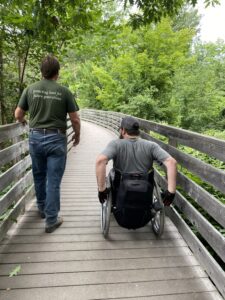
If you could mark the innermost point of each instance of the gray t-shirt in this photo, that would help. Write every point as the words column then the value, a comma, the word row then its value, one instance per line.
column 134, row 155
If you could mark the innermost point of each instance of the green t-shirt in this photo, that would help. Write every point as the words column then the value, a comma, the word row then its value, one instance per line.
column 48, row 104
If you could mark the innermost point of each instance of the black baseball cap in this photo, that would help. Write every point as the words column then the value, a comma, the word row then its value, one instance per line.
column 131, row 124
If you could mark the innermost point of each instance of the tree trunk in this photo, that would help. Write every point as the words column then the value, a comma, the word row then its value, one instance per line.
column 22, row 72
column 2, row 103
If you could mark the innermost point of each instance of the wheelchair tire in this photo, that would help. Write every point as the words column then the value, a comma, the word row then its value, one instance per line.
column 159, row 218
column 105, row 215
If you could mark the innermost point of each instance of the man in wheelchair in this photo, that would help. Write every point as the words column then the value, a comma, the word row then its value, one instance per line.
column 132, row 178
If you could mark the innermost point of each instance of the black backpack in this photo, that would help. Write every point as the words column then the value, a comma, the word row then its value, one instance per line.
column 134, row 200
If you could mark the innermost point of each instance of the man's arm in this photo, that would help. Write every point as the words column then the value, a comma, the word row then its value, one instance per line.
column 19, row 115
column 75, row 120
column 101, row 163
column 171, row 166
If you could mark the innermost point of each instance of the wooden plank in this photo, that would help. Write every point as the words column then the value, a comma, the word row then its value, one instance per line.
column 69, row 131
column 81, row 230
column 104, row 277
column 12, row 152
column 14, row 172
column 186, row 296
column 72, row 213
column 172, row 142
column 215, row 239
column 100, row 124
column 100, row 245
column 205, row 171
column 53, row 238
column 212, row 268
column 132, row 289
column 99, row 265
column 66, row 209
column 15, row 212
column 13, row 195
column 207, row 201
column 206, row 144
column 35, row 223
column 10, row 131
column 16, row 140
column 90, row 255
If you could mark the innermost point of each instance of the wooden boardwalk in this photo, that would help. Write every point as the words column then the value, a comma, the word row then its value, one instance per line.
column 75, row 262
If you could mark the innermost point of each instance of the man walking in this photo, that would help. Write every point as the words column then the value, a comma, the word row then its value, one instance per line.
column 48, row 104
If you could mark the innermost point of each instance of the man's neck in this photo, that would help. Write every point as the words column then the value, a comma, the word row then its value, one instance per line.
column 53, row 78
column 130, row 137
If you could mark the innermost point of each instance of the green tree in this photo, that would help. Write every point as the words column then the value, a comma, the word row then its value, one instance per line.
column 140, row 68
column 199, row 89
column 156, row 10
column 30, row 29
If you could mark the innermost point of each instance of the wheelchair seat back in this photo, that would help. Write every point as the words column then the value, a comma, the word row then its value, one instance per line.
column 134, row 200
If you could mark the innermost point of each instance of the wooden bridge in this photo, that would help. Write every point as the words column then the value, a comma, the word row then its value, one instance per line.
column 76, row 262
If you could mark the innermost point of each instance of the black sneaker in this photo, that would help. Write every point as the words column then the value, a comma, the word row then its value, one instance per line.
column 51, row 228
column 41, row 214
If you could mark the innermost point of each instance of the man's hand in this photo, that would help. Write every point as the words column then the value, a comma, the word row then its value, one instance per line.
column 76, row 139
column 167, row 197
column 103, row 195
column 19, row 115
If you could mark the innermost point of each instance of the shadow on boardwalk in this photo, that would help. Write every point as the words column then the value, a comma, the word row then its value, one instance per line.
column 75, row 262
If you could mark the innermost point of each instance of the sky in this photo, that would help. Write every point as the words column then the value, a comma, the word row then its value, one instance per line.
column 212, row 22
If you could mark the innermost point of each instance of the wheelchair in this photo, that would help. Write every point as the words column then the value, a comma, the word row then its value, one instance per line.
column 155, row 210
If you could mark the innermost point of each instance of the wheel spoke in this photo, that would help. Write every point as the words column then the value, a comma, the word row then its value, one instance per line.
column 158, row 220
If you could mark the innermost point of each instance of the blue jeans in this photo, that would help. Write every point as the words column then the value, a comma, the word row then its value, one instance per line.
column 48, row 153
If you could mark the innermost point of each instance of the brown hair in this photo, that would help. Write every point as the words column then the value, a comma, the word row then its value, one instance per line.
column 49, row 67
column 132, row 132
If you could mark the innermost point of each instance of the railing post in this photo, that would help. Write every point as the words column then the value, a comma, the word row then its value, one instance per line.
column 173, row 142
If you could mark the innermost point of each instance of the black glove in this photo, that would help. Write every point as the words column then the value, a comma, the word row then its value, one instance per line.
column 167, row 197
column 102, row 196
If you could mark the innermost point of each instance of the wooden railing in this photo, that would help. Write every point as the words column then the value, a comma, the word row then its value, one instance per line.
column 16, row 180
column 194, row 206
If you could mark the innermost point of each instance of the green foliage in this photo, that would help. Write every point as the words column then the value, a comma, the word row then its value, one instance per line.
column 209, row 160
column 15, row 271
column 149, row 72
column 136, row 75
column 142, row 105
column 186, row 18
column 153, row 72
column 216, row 133
column 155, row 10
column 198, row 85
column 29, row 30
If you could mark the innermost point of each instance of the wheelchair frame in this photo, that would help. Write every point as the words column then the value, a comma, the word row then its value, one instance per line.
column 157, row 221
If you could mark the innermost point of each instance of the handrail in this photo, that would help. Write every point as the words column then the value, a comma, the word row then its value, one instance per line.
column 16, row 182
column 193, row 202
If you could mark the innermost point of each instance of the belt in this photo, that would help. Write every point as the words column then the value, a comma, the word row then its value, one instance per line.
column 48, row 130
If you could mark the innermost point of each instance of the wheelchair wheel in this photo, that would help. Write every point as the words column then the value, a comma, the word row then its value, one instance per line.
column 105, row 215
column 159, row 215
